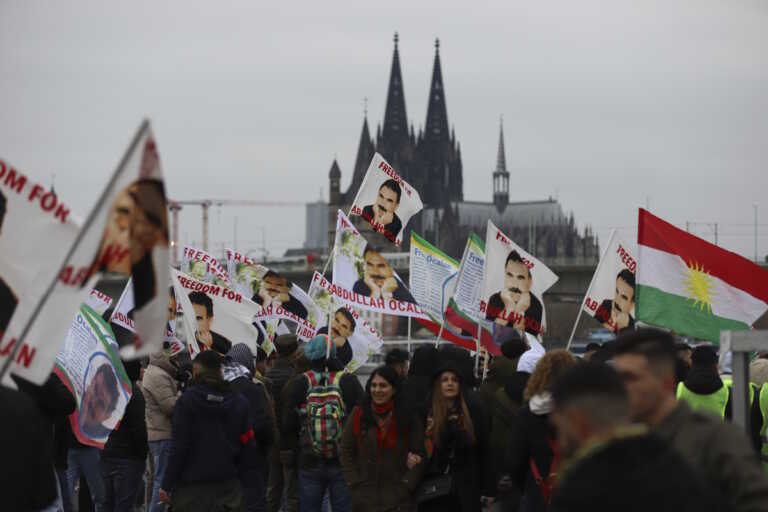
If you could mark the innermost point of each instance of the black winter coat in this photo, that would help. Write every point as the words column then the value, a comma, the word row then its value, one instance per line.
column 280, row 373
column 529, row 439
column 471, row 468
column 129, row 440
column 260, row 419
column 210, row 428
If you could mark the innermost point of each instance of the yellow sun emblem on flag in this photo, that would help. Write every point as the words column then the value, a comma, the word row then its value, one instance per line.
column 700, row 286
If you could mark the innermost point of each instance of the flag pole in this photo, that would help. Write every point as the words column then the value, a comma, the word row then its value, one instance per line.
column 409, row 335
column 592, row 282
column 79, row 238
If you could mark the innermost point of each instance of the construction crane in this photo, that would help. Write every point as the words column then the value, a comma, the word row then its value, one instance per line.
column 176, row 206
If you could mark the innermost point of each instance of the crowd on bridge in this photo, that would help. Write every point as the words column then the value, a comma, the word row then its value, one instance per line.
column 639, row 423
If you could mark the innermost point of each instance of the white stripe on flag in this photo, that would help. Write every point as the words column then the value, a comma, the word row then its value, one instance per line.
column 668, row 272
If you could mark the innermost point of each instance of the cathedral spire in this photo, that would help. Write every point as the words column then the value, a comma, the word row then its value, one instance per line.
column 365, row 151
column 437, row 113
column 500, row 175
column 395, row 130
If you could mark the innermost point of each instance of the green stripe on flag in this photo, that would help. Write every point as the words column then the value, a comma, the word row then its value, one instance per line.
column 681, row 315
column 431, row 249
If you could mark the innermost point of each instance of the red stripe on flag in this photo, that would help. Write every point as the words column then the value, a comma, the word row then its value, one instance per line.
column 731, row 268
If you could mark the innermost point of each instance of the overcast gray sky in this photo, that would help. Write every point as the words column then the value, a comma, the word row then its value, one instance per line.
column 606, row 103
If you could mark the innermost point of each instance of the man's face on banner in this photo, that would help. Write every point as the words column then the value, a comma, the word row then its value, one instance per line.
column 624, row 300
column 517, row 278
column 171, row 308
column 386, row 203
column 276, row 286
column 341, row 328
column 197, row 270
column 117, row 234
column 149, row 220
column 97, row 401
column 376, row 268
column 203, row 321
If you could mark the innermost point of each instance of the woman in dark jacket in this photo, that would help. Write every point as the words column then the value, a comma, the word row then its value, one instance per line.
column 532, row 438
column 381, row 447
column 456, row 439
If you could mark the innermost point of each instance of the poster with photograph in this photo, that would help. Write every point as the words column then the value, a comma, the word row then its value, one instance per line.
column 385, row 200
column 218, row 316
column 203, row 267
column 611, row 296
column 364, row 279
column 514, row 284
column 89, row 365
column 355, row 338
column 279, row 298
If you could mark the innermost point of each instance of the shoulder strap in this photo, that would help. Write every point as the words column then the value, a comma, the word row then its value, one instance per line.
column 312, row 378
column 335, row 378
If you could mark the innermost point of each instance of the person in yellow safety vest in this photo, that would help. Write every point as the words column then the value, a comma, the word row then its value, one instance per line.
column 702, row 388
column 763, row 406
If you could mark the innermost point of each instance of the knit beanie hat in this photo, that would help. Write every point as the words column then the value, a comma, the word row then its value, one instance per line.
column 318, row 348
column 241, row 354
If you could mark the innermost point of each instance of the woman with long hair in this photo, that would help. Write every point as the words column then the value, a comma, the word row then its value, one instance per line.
column 381, row 447
column 532, row 460
column 456, row 440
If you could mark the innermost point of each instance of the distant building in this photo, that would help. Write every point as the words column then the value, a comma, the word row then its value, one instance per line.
column 431, row 162
column 316, row 230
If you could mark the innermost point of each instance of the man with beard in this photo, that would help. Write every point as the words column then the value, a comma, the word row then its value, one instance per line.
column 382, row 214
column 8, row 299
column 99, row 402
column 275, row 290
column 515, row 305
column 203, row 306
column 342, row 327
column 615, row 314
column 379, row 280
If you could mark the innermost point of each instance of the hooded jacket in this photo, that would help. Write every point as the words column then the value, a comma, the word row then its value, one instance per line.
column 160, row 395
column 211, row 427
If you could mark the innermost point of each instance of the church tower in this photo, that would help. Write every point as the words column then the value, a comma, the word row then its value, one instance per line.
column 500, row 175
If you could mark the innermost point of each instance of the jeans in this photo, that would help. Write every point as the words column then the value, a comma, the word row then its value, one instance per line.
column 160, row 451
column 315, row 481
column 121, row 480
column 66, row 496
column 85, row 459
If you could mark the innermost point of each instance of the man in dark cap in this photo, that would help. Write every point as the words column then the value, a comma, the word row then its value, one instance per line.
column 282, row 480
column 702, row 388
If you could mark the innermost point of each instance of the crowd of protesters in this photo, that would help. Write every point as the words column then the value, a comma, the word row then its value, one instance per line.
column 640, row 423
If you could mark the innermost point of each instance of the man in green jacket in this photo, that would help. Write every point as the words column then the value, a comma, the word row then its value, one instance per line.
column 721, row 452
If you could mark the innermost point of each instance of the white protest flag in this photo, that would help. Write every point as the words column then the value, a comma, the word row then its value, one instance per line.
column 203, row 267
column 36, row 231
column 126, row 233
column 514, row 284
column 218, row 316
column 385, row 201
column 98, row 301
column 610, row 299
column 432, row 277
column 90, row 367
column 279, row 298
column 355, row 338
column 363, row 278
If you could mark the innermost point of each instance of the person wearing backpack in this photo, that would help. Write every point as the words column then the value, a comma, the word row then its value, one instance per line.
column 382, row 447
column 314, row 413
column 457, row 473
column 532, row 458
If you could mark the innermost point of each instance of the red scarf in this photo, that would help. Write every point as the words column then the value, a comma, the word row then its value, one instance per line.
column 386, row 431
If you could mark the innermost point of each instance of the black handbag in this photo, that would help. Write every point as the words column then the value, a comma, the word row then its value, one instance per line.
column 434, row 487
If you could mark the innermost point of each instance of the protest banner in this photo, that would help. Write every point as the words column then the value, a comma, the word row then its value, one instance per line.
column 279, row 298
column 36, row 230
column 432, row 277
column 513, row 284
column 355, row 338
column 385, row 200
column 89, row 365
column 218, row 316
column 610, row 298
column 363, row 278
column 126, row 233
column 203, row 267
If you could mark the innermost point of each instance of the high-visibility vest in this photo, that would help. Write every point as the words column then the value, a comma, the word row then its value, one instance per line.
column 764, row 412
column 713, row 403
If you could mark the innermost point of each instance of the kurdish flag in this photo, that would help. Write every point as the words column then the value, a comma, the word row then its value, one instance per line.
column 693, row 287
